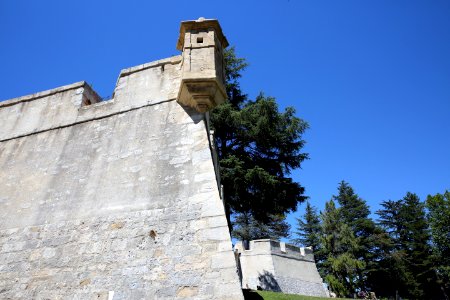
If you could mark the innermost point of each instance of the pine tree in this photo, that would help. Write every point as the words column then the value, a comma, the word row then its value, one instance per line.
column 308, row 229
column 355, row 213
column 439, row 219
column 340, row 268
column 391, row 220
column 389, row 277
column 354, row 210
column 398, row 271
column 308, row 232
column 417, row 245
column 258, row 146
column 247, row 228
column 410, row 256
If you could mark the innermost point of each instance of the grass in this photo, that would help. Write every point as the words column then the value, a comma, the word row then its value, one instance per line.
column 265, row 295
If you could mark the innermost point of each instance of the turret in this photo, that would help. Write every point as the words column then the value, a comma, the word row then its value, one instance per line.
column 203, row 71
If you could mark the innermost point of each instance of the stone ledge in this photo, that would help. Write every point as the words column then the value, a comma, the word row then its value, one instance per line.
column 170, row 60
column 42, row 94
column 124, row 72
column 90, row 119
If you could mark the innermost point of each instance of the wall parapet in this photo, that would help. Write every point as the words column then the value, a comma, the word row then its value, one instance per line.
column 273, row 247
column 136, row 87
column 276, row 266
column 42, row 94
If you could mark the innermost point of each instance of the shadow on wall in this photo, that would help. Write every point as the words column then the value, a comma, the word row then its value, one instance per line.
column 268, row 282
column 251, row 295
column 196, row 117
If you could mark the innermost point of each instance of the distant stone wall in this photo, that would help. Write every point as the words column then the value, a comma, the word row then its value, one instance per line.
column 112, row 200
column 291, row 285
column 276, row 266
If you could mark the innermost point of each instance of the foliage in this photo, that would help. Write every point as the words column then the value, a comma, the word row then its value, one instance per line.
column 439, row 219
column 247, row 228
column 354, row 210
column 308, row 229
column 406, row 253
column 395, row 256
column 417, row 243
column 410, row 259
column 258, row 147
column 391, row 221
column 341, row 267
column 369, row 238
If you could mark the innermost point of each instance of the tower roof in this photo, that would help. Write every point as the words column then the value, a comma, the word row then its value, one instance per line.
column 200, row 24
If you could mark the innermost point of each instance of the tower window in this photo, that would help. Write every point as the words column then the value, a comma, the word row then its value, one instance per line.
column 199, row 40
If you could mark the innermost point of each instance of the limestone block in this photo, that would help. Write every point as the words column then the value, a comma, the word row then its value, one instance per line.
column 223, row 260
column 187, row 291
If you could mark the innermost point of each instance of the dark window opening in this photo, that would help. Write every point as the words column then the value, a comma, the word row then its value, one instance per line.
column 246, row 245
column 199, row 40
column 86, row 101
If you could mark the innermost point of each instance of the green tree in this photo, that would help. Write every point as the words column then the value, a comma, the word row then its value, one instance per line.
column 394, row 275
column 308, row 231
column 390, row 219
column 247, row 228
column 369, row 237
column 355, row 211
column 417, row 246
column 406, row 222
column 439, row 219
column 340, row 268
column 258, row 147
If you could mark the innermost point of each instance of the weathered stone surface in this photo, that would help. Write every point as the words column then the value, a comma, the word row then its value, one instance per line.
column 203, row 74
column 280, row 267
column 112, row 199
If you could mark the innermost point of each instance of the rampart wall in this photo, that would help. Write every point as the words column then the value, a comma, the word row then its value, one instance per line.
column 112, row 199
column 277, row 266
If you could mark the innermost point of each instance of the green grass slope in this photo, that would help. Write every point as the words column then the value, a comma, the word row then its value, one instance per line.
column 265, row 295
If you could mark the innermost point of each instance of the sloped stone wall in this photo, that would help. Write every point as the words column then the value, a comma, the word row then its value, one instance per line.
column 121, row 201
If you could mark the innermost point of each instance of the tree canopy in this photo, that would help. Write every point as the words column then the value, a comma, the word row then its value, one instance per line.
column 404, row 253
column 258, row 146
column 308, row 229
column 439, row 219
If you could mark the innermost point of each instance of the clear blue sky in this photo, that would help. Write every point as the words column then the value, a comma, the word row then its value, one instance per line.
column 372, row 78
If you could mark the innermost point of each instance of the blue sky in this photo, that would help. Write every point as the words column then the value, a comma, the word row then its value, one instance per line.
column 372, row 78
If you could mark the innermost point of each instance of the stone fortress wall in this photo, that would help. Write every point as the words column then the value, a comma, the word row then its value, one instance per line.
column 277, row 266
column 118, row 199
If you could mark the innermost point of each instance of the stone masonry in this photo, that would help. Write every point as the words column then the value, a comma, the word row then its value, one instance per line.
column 276, row 266
column 119, row 199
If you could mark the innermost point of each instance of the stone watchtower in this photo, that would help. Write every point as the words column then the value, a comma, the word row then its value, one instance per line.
column 203, row 73
column 119, row 199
